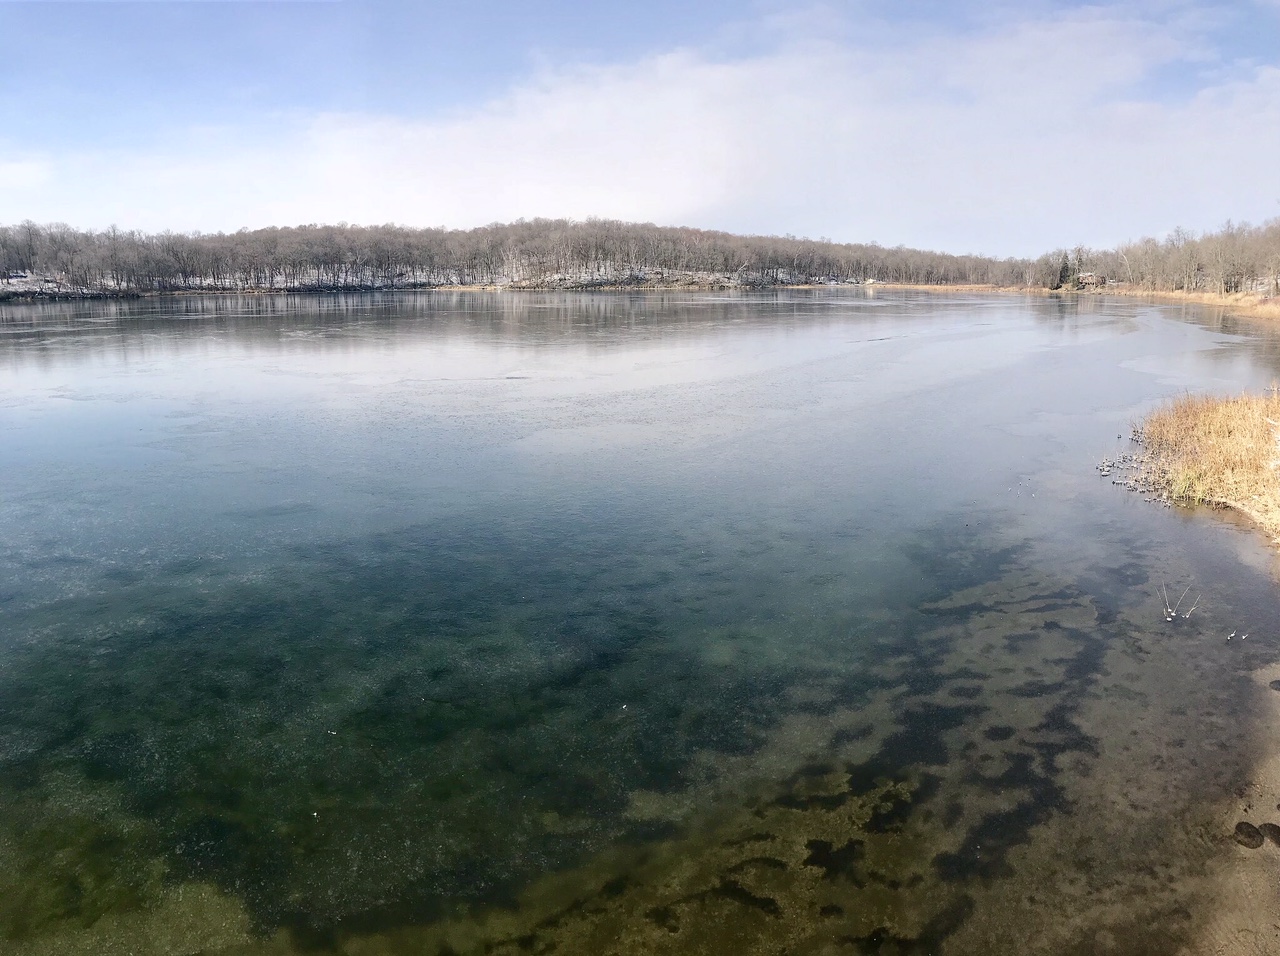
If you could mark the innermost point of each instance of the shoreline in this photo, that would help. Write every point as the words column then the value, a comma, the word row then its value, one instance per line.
column 47, row 290
column 1250, row 304
column 1216, row 451
column 1253, row 304
column 26, row 298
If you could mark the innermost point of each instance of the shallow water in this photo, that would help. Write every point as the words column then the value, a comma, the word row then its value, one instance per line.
column 666, row 623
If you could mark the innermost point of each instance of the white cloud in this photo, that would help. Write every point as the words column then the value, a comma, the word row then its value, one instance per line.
column 1006, row 142
column 23, row 174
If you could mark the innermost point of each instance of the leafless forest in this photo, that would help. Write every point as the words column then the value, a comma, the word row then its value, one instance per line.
column 543, row 253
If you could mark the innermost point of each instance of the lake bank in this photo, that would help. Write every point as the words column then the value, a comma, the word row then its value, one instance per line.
column 690, row 283
column 52, row 287
column 1252, row 304
column 44, row 288
column 1201, row 449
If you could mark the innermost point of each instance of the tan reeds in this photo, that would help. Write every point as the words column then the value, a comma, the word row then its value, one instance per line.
column 1254, row 304
column 1220, row 451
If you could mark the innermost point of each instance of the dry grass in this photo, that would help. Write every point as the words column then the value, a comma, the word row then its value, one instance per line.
column 1219, row 451
column 1252, row 304
column 1240, row 303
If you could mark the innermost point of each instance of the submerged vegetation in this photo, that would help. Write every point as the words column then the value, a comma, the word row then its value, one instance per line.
column 46, row 260
column 1202, row 449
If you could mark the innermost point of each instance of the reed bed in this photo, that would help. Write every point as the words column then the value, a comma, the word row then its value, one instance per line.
column 1201, row 449
column 1253, row 304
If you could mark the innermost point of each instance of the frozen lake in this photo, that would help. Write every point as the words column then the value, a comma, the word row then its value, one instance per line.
column 485, row 623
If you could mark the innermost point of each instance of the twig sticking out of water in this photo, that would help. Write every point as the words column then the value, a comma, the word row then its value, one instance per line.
column 1179, row 604
column 1193, row 607
column 1171, row 611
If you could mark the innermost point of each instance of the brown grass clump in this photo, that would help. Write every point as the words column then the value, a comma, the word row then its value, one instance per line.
column 1218, row 451
column 1251, row 304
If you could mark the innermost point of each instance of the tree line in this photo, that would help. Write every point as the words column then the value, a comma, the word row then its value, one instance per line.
column 562, row 253
column 534, row 253
column 1235, row 258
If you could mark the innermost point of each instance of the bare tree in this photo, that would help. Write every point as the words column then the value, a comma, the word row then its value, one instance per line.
column 596, row 252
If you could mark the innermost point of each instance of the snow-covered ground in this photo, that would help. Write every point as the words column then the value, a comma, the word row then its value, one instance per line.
column 26, row 283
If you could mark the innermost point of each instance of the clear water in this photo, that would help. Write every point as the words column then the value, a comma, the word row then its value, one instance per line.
column 665, row 623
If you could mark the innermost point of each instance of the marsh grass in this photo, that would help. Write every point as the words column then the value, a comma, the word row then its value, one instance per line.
column 1218, row 451
column 1253, row 304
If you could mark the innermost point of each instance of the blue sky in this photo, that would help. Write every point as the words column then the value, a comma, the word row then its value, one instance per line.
column 1004, row 128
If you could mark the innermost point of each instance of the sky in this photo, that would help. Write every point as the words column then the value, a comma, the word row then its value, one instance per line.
column 993, row 127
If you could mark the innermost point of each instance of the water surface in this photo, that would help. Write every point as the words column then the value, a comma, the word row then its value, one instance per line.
column 668, row 623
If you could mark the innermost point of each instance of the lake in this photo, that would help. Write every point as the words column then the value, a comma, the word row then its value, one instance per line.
column 674, row 623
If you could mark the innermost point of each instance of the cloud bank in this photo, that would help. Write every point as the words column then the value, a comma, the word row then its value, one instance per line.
column 1008, row 141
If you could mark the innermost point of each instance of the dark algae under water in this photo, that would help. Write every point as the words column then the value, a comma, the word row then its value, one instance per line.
column 449, row 624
